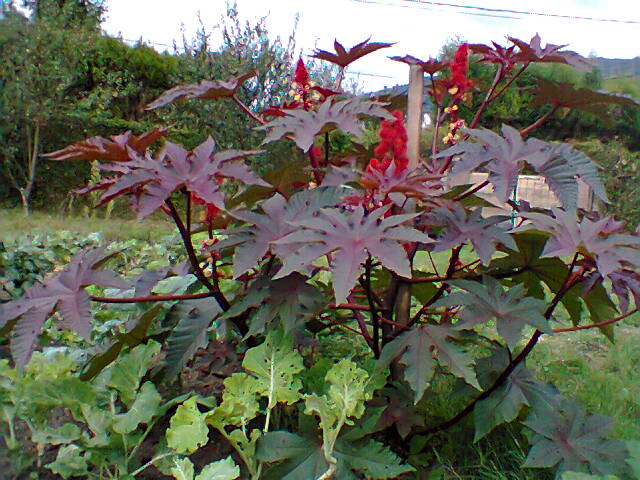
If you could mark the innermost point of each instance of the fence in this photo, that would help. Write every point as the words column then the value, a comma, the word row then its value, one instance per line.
column 531, row 188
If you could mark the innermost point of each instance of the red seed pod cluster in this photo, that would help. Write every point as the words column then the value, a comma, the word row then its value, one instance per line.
column 392, row 146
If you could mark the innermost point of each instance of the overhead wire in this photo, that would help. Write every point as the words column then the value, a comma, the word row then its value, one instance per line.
column 504, row 10
column 374, row 2
column 524, row 12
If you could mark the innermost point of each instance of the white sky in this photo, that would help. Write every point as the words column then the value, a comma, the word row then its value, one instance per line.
column 418, row 29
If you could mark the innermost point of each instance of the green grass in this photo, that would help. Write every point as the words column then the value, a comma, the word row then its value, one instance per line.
column 601, row 376
column 13, row 224
column 584, row 366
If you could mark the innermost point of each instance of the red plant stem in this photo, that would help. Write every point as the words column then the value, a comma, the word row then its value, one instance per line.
column 188, row 201
column 433, row 91
column 445, row 165
column 363, row 328
column 468, row 193
column 327, row 148
column 526, row 131
column 339, row 78
column 349, row 306
column 470, row 264
column 467, row 275
column 436, row 132
column 193, row 259
column 315, row 167
column 375, row 321
column 455, row 254
column 247, row 110
column 152, row 298
column 597, row 325
column 433, row 264
column 395, row 324
column 567, row 285
column 487, row 99
column 353, row 330
column 509, row 82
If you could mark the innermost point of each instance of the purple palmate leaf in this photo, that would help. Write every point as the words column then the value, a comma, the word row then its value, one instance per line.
column 151, row 181
column 304, row 125
column 350, row 236
column 505, row 156
column 571, row 440
column 422, row 349
column 488, row 301
column 502, row 156
column 252, row 242
column 64, row 292
column 344, row 57
column 601, row 239
column 533, row 52
column 470, row 227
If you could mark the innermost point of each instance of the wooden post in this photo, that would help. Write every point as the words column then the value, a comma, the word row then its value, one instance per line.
column 402, row 302
column 414, row 113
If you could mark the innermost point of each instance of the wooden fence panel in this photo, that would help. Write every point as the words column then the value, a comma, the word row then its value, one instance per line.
column 531, row 188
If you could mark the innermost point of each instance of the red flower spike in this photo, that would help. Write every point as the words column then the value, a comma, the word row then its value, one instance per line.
column 301, row 76
column 459, row 83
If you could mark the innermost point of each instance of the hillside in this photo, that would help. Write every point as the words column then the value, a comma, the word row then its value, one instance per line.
column 618, row 67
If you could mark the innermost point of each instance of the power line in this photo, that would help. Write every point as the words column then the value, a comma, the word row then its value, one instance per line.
column 372, row 2
column 522, row 12
column 366, row 74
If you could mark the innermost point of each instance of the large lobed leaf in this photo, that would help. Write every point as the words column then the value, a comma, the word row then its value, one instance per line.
column 194, row 317
column 206, row 89
column 602, row 239
column 533, row 52
column 301, row 457
column 519, row 391
column 153, row 180
column 564, row 94
column 471, row 228
column 507, row 56
column 421, row 349
column 504, row 157
column 63, row 292
column 117, row 149
column 430, row 67
column 304, row 125
column 288, row 301
column 344, row 57
column 350, row 235
column 277, row 221
column 415, row 183
column 604, row 247
column 486, row 302
column 572, row 441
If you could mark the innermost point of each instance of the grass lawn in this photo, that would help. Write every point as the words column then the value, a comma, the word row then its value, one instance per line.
column 13, row 224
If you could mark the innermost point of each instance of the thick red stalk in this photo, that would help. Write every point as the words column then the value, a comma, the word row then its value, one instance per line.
column 151, row 298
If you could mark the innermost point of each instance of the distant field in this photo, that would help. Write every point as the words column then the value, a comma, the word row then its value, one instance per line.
column 13, row 224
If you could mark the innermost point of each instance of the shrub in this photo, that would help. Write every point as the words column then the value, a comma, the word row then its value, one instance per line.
column 375, row 244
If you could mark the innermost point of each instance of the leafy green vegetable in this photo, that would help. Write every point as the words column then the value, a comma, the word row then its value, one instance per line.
column 188, row 429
